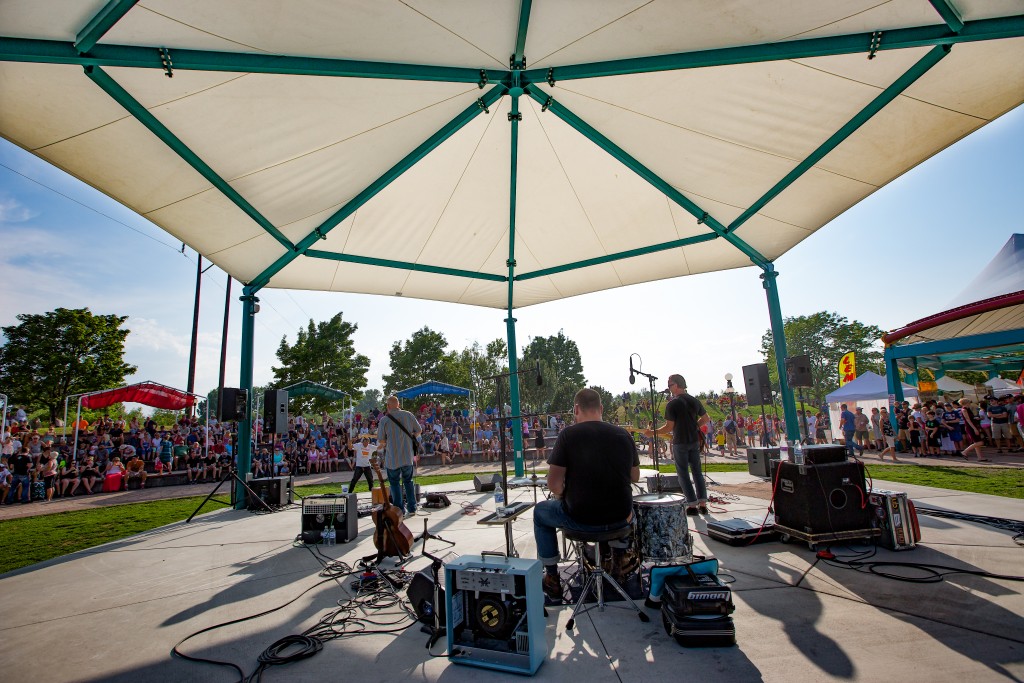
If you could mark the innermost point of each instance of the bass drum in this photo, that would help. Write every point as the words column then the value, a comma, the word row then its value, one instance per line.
column 662, row 534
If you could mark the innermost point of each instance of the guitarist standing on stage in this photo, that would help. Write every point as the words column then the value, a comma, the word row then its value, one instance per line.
column 396, row 434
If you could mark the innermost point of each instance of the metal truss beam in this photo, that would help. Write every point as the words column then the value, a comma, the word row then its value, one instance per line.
column 933, row 57
column 977, row 341
column 896, row 39
column 403, row 265
column 949, row 14
column 143, row 116
column 524, row 23
column 101, row 23
column 618, row 256
column 57, row 52
column 389, row 176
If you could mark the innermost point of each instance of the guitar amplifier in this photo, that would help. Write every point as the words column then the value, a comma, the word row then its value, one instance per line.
column 823, row 454
column 271, row 490
column 696, row 611
column 341, row 510
column 495, row 610
column 893, row 512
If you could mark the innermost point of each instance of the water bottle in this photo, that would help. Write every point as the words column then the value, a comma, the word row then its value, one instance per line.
column 783, row 451
column 499, row 496
column 798, row 453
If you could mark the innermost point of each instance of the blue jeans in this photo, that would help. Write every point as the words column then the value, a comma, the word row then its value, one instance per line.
column 548, row 517
column 397, row 478
column 26, row 487
column 687, row 457
column 851, row 444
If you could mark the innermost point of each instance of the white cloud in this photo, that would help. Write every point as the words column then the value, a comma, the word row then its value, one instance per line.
column 13, row 211
column 148, row 335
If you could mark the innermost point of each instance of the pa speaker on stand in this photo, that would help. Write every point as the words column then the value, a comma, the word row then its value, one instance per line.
column 275, row 411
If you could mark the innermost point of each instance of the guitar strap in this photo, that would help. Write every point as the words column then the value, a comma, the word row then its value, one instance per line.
column 415, row 443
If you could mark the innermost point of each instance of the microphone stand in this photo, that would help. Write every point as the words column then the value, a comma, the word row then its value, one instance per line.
column 435, row 569
column 651, row 380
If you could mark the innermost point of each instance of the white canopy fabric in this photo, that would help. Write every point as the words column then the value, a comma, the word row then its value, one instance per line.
column 869, row 386
column 946, row 383
column 248, row 165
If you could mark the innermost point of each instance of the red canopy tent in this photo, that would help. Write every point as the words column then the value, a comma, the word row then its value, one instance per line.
column 147, row 393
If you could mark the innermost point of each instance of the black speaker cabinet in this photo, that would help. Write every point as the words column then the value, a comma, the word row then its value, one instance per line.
column 757, row 385
column 275, row 411
column 824, row 454
column 421, row 597
column 271, row 490
column 798, row 371
column 234, row 405
column 821, row 499
column 341, row 510
column 486, row 482
column 759, row 461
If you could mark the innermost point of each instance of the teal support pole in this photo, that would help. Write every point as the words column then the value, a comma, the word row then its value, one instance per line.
column 510, row 322
column 779, row 338
column 244, row 456
column 993, row 373
column 940, row 372
column 892, row 378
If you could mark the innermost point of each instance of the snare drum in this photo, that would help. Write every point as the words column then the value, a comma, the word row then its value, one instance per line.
column 662, row 533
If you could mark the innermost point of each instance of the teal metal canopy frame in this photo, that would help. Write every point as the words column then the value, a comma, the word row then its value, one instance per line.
column 516, row 81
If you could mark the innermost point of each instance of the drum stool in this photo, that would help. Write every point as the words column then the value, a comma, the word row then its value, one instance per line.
column 596, row 577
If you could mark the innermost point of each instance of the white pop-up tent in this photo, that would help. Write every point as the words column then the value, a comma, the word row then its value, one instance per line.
column 868, row 387
column 1002, row 387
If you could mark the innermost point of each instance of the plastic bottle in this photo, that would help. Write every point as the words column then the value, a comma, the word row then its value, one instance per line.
column 798, row 453
column 783, row 451
column 499, row 496
column 329, row 534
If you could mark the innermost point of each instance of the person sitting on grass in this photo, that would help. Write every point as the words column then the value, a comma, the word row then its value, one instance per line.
column 68, row 479
column 136, row 469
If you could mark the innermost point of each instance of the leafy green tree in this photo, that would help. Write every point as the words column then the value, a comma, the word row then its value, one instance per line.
column 825, row 337
column 48, row 357
column 561, row 367
column 322, row 353
column 421, row 358
column 372, row 398
column 607, row 402
column 470, row 365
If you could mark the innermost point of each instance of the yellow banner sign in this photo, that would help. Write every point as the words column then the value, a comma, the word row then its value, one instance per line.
column 847, row 368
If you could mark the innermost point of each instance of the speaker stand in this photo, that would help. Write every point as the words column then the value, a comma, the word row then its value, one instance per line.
column 230, row 474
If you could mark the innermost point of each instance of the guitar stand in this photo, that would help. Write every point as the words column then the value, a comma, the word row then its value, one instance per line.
column 371, row 563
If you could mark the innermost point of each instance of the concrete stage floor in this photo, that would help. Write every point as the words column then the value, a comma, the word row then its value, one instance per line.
column 113, row 613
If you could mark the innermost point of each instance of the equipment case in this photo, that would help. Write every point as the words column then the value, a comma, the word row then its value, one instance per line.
column 695, row 611
column 743, row 530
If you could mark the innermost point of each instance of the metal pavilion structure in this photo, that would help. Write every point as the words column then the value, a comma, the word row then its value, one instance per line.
column 665, row 138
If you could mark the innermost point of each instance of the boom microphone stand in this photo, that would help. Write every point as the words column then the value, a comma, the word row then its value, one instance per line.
column 651, row 380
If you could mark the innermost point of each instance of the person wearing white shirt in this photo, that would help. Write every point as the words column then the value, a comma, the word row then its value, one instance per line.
column 364, row 450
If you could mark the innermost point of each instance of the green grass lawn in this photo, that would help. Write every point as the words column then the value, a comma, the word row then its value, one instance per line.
column 34, row 539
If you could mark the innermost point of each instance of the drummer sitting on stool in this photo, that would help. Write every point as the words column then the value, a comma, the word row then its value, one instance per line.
column 590, row 470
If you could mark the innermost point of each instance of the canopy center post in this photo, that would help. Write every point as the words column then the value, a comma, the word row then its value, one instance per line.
column 514, row 118
column 779, row 341
column 250, row 307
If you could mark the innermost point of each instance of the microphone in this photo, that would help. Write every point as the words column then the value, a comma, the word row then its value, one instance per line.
column 632, row 372
column 540, row 378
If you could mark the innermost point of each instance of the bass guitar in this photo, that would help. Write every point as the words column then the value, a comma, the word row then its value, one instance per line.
column 390, row 535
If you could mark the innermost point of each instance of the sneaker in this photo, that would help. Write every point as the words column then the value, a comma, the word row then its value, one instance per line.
column 703, row 509
column 411, row 513
column 692, row 510
column 552, row 587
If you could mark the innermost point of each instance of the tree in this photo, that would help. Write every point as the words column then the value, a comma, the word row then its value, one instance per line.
column 560, row 366
column 607, row 402
column 473, row 363
column 825, row 337
column 371, row 399
column 420, row 358
column 322, row 353
column 49, row 357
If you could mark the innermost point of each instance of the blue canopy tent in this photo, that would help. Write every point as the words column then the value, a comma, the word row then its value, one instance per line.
column 433, row 387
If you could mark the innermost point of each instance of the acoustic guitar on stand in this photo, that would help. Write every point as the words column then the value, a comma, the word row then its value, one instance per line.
column 390, row 535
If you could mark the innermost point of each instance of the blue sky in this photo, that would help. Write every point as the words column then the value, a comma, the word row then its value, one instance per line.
column 901, row 254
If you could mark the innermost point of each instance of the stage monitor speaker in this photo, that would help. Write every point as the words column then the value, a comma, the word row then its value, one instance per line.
column 798, row 371
column 234, row 405
column 339, row 510
column 485, row 483
column 275, row 411
column 421, row 597
column 271, row 490
column 821, row 499
column 757, row 384
column 759, row 461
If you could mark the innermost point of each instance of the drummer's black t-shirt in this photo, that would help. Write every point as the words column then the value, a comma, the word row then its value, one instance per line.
column 598, row 458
